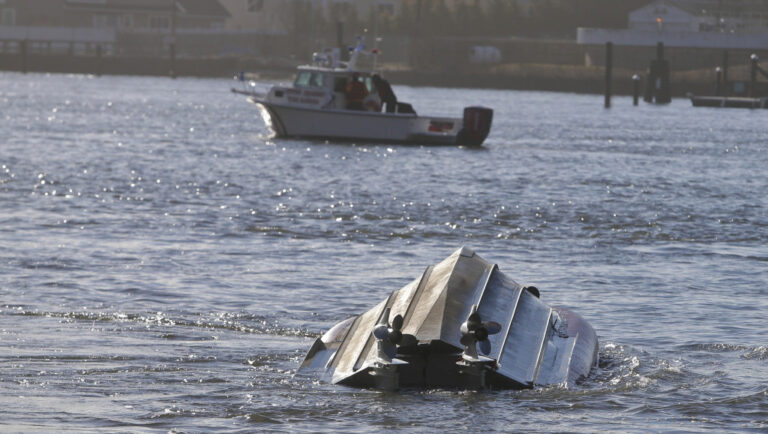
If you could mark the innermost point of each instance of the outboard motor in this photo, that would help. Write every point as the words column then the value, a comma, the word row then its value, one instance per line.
column 477, row 125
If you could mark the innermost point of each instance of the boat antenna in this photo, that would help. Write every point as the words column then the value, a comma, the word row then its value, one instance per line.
column 375, row 52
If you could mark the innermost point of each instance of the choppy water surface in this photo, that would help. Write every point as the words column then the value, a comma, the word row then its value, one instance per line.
column 164, row 264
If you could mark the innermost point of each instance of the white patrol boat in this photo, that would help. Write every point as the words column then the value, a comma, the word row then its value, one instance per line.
column 336, row 100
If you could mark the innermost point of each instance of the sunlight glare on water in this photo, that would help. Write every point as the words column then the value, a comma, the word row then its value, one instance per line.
column 166, row 264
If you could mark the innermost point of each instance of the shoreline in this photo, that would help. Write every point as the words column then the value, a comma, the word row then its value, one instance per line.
column 516, row 76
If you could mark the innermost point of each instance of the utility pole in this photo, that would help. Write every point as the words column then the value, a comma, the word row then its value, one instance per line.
column 375, row 22
column 172, row 44
column 415, row 35
column 313, row 37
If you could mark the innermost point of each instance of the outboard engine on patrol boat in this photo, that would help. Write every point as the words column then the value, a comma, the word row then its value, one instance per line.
column 477, row 125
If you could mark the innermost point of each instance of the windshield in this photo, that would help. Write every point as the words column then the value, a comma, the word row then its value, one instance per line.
column 309, row 79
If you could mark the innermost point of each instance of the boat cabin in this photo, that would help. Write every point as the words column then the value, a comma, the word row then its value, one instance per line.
column 336, row 89
column 312, row 78
column 333, row 81
column 333, row 89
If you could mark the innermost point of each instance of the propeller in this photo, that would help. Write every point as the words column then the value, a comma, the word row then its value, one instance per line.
column 475, row 330
column 390, row 336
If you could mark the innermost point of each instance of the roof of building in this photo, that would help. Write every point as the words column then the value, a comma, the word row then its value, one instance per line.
column 716, row 7
column 210, row 8
column 203, row 7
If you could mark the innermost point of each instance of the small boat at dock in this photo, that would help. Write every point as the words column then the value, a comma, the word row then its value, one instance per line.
column 729, row 102
column 335, row 100
column 462, row 324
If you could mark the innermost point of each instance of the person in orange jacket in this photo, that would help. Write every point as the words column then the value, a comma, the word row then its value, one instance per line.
column 356, row 93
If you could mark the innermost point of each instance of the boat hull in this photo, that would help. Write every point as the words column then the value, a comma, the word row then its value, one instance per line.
column 349, row 125
column 729, row 102
column 530, row 344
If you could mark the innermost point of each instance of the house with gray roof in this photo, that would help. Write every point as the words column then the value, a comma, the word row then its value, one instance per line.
column 114, row 25
column 739, row 24
column 113, row 13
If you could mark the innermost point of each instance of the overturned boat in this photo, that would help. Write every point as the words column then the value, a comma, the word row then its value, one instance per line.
column 462, row 324
column 320, row 104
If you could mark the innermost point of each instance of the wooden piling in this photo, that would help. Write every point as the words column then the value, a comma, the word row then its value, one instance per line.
column 97, row 67
column 718, row 81
column 172, row 44
column 172, row 52
column 23, row 55
column 752, row 75
column 726, row 89
column 663, row 94
column 340, row 40
column 635, row 89
column 608, row 72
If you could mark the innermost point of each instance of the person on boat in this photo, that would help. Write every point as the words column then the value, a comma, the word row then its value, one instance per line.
column 356, row 93
column 385, row 92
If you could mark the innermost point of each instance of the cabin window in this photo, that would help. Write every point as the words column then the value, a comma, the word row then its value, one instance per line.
column 369, row 84
column 302, row 80
column 309, row 79
column 316, row 80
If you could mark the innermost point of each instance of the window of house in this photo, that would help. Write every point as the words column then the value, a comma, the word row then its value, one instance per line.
column 8, row 17
column 126, row 21
column 341, row 7
column 387, row 10
column 254, row 5
column 99, row 21
column 158, row 22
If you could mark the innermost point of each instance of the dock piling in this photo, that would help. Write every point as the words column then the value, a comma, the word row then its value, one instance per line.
column 635, row 89
column 718, row 81
column 726, row 90
column 172, row 51
column 98, row 60
column 608, row 72
column 343, row 52
column 657, row 88
column 753, row 59
column 23, row 54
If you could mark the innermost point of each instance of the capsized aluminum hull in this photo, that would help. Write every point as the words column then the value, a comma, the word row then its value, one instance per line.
column 308, row 122
column 462, row 324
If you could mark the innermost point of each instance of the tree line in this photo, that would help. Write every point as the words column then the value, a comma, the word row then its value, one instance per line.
column 468, row 18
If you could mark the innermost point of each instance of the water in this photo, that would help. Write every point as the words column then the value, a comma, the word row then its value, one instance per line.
column 164, row 264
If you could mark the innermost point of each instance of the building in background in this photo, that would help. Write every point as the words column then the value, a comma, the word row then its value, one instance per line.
column 272, row 16
column 283, row 16
column 117, row 14
column 738, row 24
column 123, row 27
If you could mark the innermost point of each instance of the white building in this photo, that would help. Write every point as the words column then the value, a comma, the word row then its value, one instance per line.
column 279, row 16
column 663, row 16
column 690, row 23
